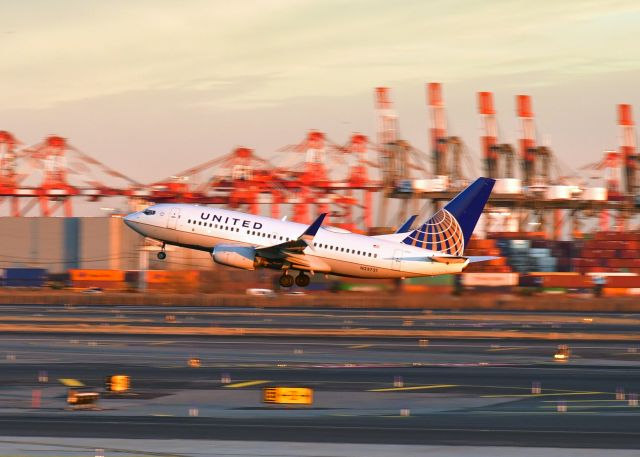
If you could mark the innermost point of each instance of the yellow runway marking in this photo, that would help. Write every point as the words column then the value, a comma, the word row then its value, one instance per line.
column 360, row 346
column 542, row 395
column 506, row 349
column 432, row 386
column 244, row 384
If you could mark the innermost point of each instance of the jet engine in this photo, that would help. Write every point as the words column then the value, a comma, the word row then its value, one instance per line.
column 235, row 256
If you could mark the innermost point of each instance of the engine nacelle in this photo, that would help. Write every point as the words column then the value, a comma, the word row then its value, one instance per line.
column 235, row 256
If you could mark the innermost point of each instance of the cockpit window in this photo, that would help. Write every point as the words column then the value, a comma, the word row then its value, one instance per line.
column 149, row 212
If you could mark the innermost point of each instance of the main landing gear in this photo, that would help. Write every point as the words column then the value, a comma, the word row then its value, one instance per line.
column 162, row 255
column 302, row 280
column 286, row 280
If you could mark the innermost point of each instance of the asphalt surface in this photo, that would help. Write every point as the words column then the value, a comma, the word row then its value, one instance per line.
column 392, row 391
column 135, row 316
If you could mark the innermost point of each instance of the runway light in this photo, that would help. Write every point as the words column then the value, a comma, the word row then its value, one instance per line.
column 43, row 376
column 405, row 412
column 620, row 393
column 423, row 343
column 36, row 396
column 536, row 388
column 561, row 407
column 225, row 378
column 562, row 354
column 194, row 412
column 633, row 400
column 398, row 381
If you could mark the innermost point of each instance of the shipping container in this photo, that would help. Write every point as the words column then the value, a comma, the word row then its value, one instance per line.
column 489, row 279
column 97, row 275
column 170, row 276
column 24, row 277
column 440, row 280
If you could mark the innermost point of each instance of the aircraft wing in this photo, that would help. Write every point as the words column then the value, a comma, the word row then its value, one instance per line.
column 291, row 250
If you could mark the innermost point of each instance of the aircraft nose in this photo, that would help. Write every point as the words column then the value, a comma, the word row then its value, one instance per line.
column 130, row 219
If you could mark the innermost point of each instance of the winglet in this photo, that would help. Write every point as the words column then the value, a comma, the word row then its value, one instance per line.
column 407, row 225
column 314, row 227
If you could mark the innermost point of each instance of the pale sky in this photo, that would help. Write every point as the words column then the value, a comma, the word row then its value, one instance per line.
column 153, row 87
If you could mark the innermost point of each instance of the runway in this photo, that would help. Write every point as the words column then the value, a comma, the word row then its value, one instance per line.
column 407, row 391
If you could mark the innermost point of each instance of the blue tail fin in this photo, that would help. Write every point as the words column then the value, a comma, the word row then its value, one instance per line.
column 450, row 229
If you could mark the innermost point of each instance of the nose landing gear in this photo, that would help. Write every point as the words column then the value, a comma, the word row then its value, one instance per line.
column 162, row 255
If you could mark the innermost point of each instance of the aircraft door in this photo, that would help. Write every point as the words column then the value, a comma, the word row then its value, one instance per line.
column 396, row 262
column 174, row 215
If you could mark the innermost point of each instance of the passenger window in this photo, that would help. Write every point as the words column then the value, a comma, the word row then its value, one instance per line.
column 369, row 254
column 375, row 255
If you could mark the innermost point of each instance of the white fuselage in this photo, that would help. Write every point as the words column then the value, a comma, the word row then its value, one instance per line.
column 333, row 251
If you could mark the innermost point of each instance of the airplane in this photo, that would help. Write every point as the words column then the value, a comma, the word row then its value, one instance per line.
column 248, row 241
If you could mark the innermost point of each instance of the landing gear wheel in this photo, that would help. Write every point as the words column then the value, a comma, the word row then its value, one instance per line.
column 162, row 255
column 286, row 280
column 302, row 280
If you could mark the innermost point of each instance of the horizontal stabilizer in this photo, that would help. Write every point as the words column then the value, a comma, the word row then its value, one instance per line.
column 448, row 259
column 461, row 259
column 481, row 258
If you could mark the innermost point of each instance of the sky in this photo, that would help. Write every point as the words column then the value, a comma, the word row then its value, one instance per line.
column 153, row 87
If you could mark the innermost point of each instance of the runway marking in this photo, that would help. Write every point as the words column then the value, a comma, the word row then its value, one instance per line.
column 587, row 406
column 542, row 395
column 507, row 349
column 244, row 384
column 541, row 413
column 431, row 386
column 585, row 401
column 360, row 346
column 161, row 343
